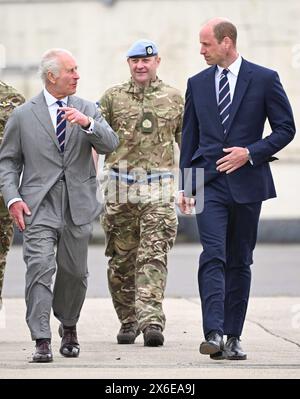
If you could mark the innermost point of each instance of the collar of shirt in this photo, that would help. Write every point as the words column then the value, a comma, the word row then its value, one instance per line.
column 233, row 68
column 53, row 106
column 50, row 100
column 232, row 76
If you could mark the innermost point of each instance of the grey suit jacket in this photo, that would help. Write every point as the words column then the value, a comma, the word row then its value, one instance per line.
column 30, row 145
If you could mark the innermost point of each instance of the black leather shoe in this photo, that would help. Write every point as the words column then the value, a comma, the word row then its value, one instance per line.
column 233, row 350
column 128, row 333
column 218, row 355
column 43, row 352
column 213, row 344
column 69, row 344
column 153, row 335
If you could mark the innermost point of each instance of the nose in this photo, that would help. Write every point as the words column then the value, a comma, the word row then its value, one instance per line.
column 202, row 51
column 140, row 64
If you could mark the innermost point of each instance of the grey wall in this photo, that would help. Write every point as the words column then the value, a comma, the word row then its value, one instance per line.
column 99, row 36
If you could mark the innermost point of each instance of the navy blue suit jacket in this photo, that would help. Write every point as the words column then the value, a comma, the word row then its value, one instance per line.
column 258, row 96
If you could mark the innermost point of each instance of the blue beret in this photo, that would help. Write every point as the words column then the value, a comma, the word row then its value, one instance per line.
column 142, row 48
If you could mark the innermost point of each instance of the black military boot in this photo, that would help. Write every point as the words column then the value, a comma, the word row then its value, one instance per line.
column 128, row 333
column 153, row 335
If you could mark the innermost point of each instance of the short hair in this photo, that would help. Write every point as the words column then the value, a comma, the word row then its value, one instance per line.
column 50, row 63
column 223, row 29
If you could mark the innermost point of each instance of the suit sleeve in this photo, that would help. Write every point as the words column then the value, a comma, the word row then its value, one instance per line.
column 190, row 134
column 103, row 138
column 280, row 117
column 11, row 161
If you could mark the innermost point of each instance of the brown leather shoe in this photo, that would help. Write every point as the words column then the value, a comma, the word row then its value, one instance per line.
column 43, row 352
column 128, row 333
column 153, row 335
column 69, row 344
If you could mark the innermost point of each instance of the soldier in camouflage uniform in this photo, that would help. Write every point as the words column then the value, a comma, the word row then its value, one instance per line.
column 9, row 99
column 141, row 226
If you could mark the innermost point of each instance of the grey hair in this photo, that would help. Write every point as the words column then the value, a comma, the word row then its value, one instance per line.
column 50, row 62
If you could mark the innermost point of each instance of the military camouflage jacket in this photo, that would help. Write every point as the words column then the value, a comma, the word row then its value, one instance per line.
column 9, row 99
column 148, row 122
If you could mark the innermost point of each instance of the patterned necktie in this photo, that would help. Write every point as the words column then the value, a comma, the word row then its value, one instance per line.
column 224, row 99
column 60, row 126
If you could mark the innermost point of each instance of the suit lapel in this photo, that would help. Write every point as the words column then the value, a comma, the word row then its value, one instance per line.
column 242, row 83
column 41, row 112
column 207, row 91
column 210, row 92
column 72, row 102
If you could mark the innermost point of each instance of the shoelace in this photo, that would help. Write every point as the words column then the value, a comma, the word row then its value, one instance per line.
column 70, row 336
column 154, row 327
column 128, row 326
column 43, row 346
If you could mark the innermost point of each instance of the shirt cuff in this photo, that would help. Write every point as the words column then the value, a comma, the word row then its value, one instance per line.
column 90, row 129
column 249, row 156
column 12, row 201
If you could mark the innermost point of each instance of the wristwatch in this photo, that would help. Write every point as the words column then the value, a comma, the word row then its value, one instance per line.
column 249, row 156
column 90, row 121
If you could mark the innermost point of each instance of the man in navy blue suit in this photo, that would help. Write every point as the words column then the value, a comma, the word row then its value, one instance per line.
column 225, row 113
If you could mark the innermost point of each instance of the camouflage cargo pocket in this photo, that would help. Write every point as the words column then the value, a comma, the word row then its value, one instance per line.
column 108, row 230
column 167, row 124
column 126, row 121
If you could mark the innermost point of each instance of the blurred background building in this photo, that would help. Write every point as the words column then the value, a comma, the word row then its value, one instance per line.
column 99, row 32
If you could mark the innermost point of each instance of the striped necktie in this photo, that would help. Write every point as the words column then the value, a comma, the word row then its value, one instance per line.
column 60, row 127
column 224, row 99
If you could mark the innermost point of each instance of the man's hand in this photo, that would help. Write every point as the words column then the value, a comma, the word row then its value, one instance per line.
column 185, row 204
column 17, row 210
column 72, row 115
column 237, row 157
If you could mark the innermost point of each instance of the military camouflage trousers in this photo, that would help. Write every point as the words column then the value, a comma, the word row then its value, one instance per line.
column 6, row 235
column 138, row 239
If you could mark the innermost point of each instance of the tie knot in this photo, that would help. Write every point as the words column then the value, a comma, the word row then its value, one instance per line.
column 225, row 72
column 60, row 104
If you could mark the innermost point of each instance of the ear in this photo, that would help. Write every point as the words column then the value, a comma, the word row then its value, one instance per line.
column 51, row 77
column 227, row 42
column 158, row 59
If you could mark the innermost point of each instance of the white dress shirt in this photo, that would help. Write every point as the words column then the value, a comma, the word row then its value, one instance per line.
column 53, row 106
column 232, row 76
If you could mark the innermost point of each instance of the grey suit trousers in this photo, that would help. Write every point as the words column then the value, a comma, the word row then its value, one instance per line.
column 52, row 243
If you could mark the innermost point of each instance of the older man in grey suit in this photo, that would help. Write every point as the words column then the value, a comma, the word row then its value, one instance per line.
column 50, row 138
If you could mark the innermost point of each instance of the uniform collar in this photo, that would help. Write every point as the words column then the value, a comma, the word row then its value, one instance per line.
column 132, row 87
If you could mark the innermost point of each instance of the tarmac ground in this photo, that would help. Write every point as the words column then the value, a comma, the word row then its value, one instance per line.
column 271, row 334
column 271, row 339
